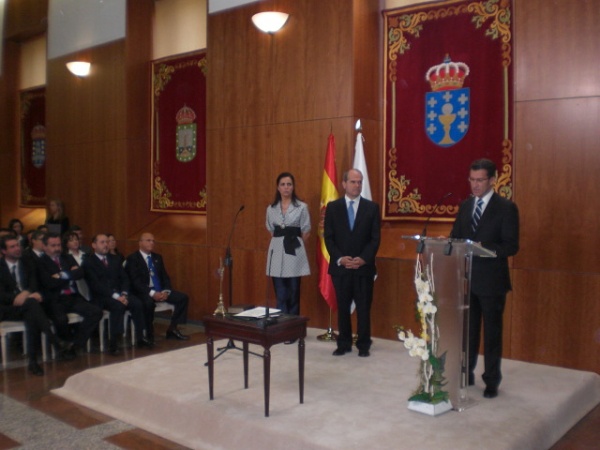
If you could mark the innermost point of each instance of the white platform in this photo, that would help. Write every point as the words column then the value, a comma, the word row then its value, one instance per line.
column 350, row 402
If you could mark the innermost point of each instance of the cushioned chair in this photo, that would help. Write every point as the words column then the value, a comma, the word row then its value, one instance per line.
column 72, row 318
column 7, row 327
column 160, row 307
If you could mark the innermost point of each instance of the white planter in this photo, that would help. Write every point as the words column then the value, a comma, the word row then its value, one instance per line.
column 429, row 408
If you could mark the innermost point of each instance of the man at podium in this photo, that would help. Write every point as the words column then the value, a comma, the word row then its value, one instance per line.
column 493, row 221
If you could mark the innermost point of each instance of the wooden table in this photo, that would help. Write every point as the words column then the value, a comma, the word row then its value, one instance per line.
column 287, row 328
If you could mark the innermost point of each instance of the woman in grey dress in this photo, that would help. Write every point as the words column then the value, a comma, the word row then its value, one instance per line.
column 288, row 221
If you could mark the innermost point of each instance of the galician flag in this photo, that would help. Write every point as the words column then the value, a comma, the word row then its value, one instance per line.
column 328, row 193
column 361, row 164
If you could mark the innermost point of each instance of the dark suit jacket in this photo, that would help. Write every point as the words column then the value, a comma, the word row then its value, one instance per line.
column 498, row 230
column 8, row 286
column 105, row 281
column 50, row 286
column 362, row 241
column 137, row 269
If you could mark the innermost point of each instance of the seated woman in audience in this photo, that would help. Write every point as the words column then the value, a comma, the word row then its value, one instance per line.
column 17, row 226
column 112, row 248
column 71, row 246
column 56, row 219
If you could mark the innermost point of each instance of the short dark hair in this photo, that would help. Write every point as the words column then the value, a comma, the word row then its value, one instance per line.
column 95, row 238
column 5, row 239
column 37, row 235
column 50, row 235
column 486, row 164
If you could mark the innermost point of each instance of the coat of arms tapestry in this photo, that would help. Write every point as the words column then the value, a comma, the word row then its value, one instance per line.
column 178, row 178
column 448, row 101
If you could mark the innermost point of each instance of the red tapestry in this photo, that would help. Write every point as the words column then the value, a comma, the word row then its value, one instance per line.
column 448, row 93
column 179, row 134
column 33, row 147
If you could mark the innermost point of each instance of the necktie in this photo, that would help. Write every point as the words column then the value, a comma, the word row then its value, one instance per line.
column 477, row 215
column 13, row 272
column 351, row 214
column 153, row 276
column 105, row 262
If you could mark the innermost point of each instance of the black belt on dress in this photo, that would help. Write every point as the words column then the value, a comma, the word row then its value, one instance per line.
column 290, row 238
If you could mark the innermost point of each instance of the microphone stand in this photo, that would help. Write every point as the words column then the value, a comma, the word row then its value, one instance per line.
column 268, row 319
column 228, row 262
column 421, row 244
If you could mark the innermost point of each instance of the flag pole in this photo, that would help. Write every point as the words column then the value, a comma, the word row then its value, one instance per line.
column 329, row 335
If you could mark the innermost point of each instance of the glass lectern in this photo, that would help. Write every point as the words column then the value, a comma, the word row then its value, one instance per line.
column 449, row 261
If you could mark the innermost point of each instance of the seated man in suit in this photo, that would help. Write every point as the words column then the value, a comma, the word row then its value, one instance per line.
column 20, row 300
column 109, row 289
column 150, row 282
column 58, row 273
column 36, row 246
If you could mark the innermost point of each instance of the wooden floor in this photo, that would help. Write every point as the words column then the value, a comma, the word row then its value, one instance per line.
column 32, row 395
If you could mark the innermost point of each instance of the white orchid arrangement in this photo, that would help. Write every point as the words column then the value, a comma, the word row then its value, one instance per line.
column 425, row 346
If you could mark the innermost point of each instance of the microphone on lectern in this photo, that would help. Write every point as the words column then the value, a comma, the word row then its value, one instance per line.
column 421, row 244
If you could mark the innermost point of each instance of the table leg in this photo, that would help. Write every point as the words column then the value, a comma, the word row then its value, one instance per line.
column 210, row 356
column 301, row 350
column 267, row 377
column 245, row 345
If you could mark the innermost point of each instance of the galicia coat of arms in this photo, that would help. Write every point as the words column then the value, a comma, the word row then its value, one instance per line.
column 447, row 107
column 38, row 146
column 186, row 134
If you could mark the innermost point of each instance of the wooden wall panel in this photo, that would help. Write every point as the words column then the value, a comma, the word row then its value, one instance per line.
column 557, row 163
column 9, row 126
column 556, row 51
column 299, row 73
column 555, row 318
column 25, row 18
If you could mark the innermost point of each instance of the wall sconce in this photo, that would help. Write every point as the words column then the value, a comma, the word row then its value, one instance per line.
column 79, row 68
column 270, row 21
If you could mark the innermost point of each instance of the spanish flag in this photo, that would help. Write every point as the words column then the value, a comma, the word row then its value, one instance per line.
column 328, row 193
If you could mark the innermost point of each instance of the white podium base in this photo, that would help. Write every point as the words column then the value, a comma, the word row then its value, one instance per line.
column 430, row 409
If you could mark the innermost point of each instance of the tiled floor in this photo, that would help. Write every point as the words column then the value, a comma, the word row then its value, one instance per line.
column 33, row 418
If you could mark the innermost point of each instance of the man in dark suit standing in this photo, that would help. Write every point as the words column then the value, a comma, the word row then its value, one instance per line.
column 109, row 289
column 58, row 274
column 492, row 221
column 352, row 234
column 151, row 282
column 20, row 300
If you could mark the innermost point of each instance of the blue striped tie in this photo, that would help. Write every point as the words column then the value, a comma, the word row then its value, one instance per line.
column 351, row 214
column 477, row 215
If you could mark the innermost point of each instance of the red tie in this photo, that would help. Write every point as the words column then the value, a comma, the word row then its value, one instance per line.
column 105, row 262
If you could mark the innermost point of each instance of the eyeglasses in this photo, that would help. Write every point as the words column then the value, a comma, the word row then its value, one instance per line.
column 477, row 180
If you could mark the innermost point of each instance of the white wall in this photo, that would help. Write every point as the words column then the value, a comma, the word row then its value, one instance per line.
column 179, row 27
column 32, row 63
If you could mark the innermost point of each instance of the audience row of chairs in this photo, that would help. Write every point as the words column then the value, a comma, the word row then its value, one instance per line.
column 8, row 326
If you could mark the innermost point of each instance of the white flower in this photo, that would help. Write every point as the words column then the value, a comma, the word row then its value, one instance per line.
column 421, row 285
column 429, row 308
column 425, row 297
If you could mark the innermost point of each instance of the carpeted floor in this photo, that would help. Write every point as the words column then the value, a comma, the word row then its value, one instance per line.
column 349, row 402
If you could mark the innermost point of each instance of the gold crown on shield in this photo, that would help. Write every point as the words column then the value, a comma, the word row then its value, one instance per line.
column 448, row 75
column 38, row 132
column 185, row 115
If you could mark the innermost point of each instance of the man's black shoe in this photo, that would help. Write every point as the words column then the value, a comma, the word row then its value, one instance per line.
column 144, row 343
column 363, row 353
column 341, row 351
column 35, row 369
column 176, row 334
column 490, row 392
